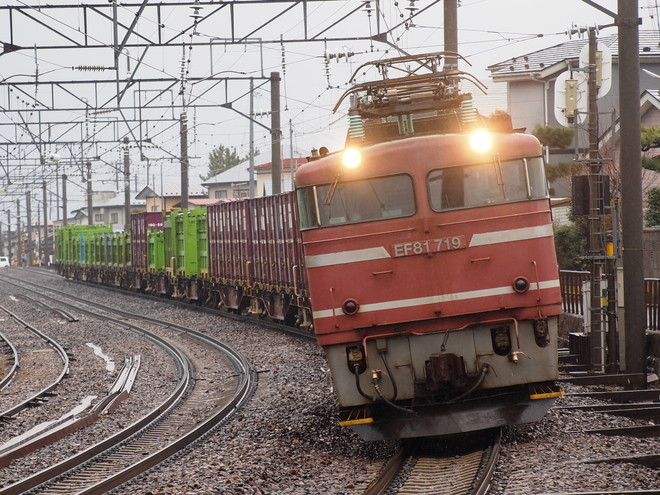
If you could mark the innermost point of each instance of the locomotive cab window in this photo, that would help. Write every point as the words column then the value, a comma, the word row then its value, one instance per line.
column 486, row 184
column 356, row 201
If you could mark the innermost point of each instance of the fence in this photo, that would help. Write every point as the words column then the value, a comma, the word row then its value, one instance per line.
column 572, row 283
column 652, row 301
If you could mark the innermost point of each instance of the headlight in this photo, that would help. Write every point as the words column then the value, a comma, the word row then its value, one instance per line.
column 521, row 285
column 350, row 307
column 352, row 158
column 481, row 141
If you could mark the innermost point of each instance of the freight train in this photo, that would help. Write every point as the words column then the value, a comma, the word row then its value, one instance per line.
column 421, row 256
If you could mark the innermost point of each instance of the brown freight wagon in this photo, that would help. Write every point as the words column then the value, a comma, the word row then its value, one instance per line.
column 256, row 261
column 141, row 224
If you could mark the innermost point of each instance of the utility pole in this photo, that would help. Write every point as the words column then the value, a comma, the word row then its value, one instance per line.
column 451, row 33
column 2, row 244
column 184, row 159
column 28, row 207
column 90, row 210
column 631, row 187
column 275, row 132
column 127, row 186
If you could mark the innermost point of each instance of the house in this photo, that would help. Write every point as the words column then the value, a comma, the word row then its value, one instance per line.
column 167, row 195
column 108, row 212
column 531, row 78
column 235, row 182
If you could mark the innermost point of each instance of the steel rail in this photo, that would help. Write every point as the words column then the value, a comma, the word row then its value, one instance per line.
column 381, row 485
column 193, row 307
column 97, row 449
column 49, row 388
column 246, row 384
column 469, row 472
column 607, row 492
column 7, row 379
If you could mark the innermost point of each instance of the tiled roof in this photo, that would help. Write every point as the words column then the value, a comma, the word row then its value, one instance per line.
column 241, row 172
column 538, row 61
column 171, row 190
column 200, row 202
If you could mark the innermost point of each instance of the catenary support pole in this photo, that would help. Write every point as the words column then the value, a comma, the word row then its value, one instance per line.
column 45, row 205
column 184, row 160
column 28, row 221
column 90, row 209
column 65, row 214
column 451, row 32
column 127, row 186
column 276, row 132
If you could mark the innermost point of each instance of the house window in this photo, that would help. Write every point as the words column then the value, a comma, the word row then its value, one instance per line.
column 221, row 194
column 155, row 208
column 114, row 218
column 98, row 217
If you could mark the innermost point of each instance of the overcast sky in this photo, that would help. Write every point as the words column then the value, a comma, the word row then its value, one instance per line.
column 490, row 31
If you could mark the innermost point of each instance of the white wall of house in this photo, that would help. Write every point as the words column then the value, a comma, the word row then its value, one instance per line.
column 526, row 104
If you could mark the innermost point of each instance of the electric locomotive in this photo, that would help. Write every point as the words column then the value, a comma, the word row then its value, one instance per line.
column 430, row 260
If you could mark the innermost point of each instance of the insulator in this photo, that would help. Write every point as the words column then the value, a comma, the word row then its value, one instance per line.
column 468, row 112
column 355, row 127
column 90, row 68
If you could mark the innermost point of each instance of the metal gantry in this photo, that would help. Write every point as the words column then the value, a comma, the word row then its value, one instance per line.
column 86, row 76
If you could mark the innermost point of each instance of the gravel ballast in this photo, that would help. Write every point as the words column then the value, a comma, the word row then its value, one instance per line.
column 287, row 440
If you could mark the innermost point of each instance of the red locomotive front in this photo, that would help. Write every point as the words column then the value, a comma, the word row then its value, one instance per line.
column 434, row 281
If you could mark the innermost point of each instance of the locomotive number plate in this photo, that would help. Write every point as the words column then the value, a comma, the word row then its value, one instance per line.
column 429, row 246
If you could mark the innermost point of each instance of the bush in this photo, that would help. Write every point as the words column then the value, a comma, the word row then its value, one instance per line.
column 571, row 246
column 554, row 137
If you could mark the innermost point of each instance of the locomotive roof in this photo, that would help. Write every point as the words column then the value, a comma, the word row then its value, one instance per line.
column 416, row 154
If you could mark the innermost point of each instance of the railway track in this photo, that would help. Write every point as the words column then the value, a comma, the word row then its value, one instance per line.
column 192, row 409
column 32, row 379
column 305, row 334
column 431, row 467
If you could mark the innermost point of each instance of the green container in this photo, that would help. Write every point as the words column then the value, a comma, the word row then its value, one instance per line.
column 155, row 251
column 74, row 244
column 185, row 242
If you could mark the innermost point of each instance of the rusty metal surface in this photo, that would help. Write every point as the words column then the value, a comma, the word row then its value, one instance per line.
column 647, row 431
column 615, row 379
column 622, row 395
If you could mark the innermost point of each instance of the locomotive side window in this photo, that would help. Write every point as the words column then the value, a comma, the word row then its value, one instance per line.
column 485, row 184
column 357, row 201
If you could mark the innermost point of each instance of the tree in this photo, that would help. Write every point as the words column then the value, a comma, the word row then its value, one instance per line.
column 222, row 158
column 554, row 137
column 571, row 246
column 650, row 137
column 652, row 215
column 651, row 163
column 562, row 169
